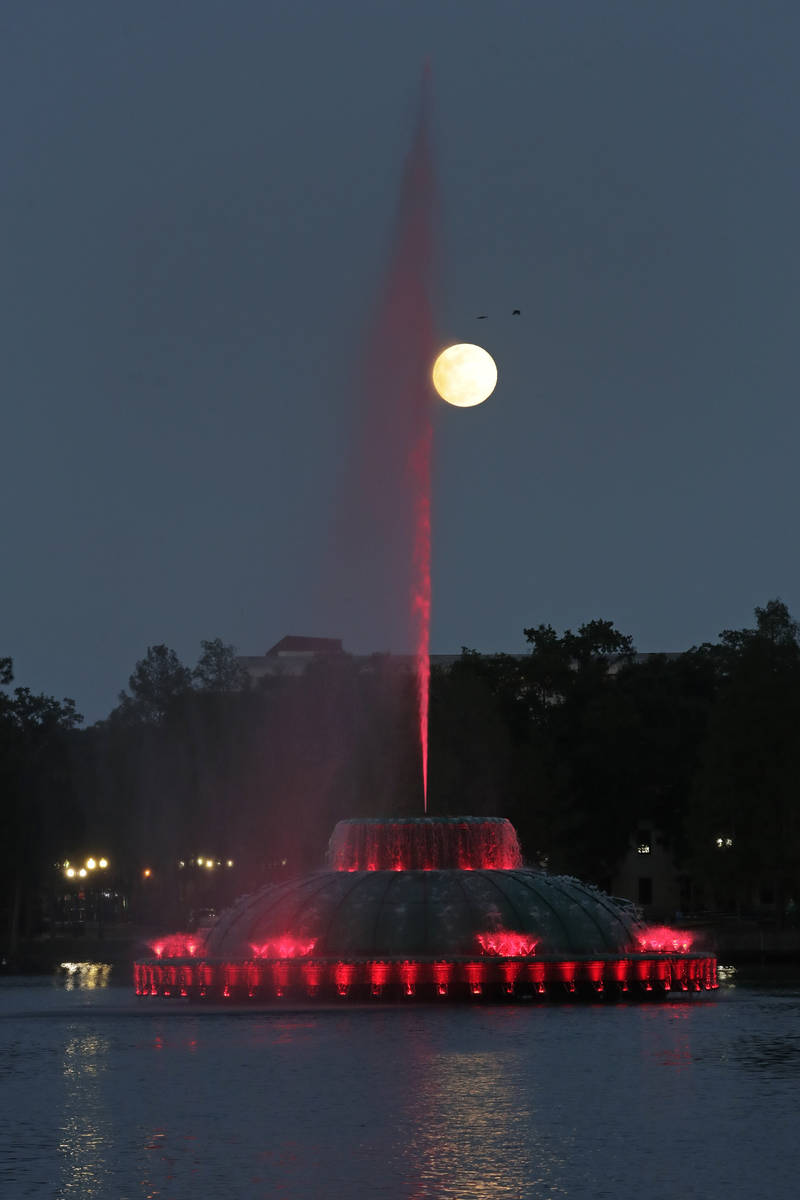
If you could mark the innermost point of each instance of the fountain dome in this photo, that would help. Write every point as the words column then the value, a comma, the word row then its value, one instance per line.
column 428, row 907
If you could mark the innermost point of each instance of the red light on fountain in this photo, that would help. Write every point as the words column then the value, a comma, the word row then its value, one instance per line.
column 661, row 940
column 178, row 945
column 425, row 844
column 504, row 944
column 285, row 947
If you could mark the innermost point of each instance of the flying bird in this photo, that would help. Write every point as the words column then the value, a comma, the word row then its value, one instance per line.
column 482, row 317
column 515, row 313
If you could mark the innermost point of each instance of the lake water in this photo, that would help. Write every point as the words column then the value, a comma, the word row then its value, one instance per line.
column 106, row 1096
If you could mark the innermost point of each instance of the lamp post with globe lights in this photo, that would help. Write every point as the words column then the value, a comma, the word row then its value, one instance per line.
column 86, row 875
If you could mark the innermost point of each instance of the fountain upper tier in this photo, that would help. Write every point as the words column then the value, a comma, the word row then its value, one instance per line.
column 425, row 844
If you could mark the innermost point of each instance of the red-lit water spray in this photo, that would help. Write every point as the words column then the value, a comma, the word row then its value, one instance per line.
column 401, row 352
column 421, row 596
column 421, row 242
column 425, row 844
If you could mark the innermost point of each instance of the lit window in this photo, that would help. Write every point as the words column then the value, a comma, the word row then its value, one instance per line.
column 643, row 848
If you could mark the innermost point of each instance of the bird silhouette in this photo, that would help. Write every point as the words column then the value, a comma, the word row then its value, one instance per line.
column 515, row 313
column 482, row 317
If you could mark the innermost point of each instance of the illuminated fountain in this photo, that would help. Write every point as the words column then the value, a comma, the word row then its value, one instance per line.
column 434, row 909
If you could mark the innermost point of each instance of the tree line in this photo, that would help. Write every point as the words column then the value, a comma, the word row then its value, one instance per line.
column 579, row 741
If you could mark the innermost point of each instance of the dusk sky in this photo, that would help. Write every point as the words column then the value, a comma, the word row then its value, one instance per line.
column 197, row 208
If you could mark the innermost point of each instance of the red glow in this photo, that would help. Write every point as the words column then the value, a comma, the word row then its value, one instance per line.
column 284, row 947
column 312, row 974
column 442, row 974
column 409, row 974
column 280, row 977
column 378, row 977
column 510, row 973
column 662, row 940
column 617, row 972
column 475, row 973
column 504, row 944
column 178, row 945
column 491, row 975
column 641, row 970
column 343, row 977
column 566, row 972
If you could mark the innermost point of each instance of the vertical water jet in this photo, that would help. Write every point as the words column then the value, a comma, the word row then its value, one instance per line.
column 397, row 445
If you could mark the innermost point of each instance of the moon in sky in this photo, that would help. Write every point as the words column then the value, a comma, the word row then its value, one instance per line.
column 464, row 375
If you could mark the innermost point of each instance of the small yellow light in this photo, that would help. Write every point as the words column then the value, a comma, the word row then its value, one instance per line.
column 181, row 862
column 71, row 872
column 200, row 862
column 66, row 862
column 91, row 864
column 230, row 862
column 82, row 872
column 147, row 872
column 209, row 862
column 103, row 863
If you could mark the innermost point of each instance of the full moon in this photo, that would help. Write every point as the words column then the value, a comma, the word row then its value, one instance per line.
column 464, row 375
